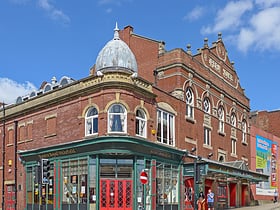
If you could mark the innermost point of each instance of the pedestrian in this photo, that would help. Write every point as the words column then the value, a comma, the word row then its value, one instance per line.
column 201, row 202
column 210, row 200
column 275, row 196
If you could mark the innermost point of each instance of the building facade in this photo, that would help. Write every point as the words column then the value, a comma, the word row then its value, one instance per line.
column 267, row 121
column 265, row 149
column 82, row 144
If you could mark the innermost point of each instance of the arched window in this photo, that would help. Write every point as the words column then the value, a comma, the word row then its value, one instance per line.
column 221, row 116
column 47, row 88
column 244, row 131
column 141, row 123
column 117, row 118
column 206, row 105
column 189, row 103
column 91, row 121
column 233, row 119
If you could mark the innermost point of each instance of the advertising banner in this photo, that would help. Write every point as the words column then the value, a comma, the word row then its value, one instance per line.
column 266, row 156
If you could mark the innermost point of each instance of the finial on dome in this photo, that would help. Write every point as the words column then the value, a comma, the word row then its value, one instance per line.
column 116, row 33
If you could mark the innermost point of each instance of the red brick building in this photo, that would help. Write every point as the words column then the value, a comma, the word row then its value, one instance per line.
column 267, row 121
column 265, row 142
column 264, row 147
column 181, row 118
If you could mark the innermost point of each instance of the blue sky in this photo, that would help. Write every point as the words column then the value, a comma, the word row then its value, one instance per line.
column 40, row 39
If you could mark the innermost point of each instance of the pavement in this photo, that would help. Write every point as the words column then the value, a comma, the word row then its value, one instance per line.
column 268, row 206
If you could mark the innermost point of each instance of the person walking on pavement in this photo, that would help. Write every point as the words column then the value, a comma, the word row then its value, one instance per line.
column 275, row 196
column 210, row 200
column 201, row 202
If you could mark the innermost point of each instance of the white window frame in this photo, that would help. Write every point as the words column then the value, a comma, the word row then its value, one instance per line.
column 189, row 103
column 90, row 120
column 221, row 116
column 207, row 136
column 167, row 119
column 141, row 123
column 233, row 119
column 206, row 105
column 244, row 131
column 233, row 147
column 120, row 115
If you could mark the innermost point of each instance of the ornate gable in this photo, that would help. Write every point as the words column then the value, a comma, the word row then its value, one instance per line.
column 216, row 59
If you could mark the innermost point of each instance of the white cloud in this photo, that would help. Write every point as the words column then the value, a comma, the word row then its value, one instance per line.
column 44, row 4
column 109, row 10
column 195, row 14
column 267, row 3
column 12, row 90
column 250, row 25
column 53, row 12
column 263, row 32
column 229, row 18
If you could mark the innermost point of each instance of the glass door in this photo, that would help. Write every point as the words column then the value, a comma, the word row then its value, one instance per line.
column 116, row 184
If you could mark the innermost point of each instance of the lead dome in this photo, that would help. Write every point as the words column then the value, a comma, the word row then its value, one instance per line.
column 116, row 54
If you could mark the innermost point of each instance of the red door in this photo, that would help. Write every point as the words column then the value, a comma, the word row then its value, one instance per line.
column 116, row 194
column 244, row 195
column 10, row 198
column 232, row 189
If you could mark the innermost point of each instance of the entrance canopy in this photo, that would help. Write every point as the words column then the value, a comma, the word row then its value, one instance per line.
column 235, row 170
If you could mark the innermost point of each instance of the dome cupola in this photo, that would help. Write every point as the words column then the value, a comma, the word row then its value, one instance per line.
column 116, row 55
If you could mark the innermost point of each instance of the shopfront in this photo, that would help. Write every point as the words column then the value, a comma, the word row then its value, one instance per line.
column 230, row 182
column 104, row 173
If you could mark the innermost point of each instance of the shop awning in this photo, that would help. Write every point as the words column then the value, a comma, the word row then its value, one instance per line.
column 235, row 170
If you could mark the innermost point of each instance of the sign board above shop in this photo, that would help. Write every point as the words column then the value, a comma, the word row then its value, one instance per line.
column 188, row 170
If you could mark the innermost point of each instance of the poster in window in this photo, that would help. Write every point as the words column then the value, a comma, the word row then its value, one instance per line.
column 74, row 179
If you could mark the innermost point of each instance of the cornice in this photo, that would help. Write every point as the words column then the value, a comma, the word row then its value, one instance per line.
column 91, row 84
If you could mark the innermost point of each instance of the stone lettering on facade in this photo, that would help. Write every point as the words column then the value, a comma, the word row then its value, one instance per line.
column 227, row 75
column 213, row 64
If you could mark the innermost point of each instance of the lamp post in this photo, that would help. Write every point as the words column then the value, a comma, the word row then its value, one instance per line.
column 196, row 176
column 195, row 183
column 197, row 172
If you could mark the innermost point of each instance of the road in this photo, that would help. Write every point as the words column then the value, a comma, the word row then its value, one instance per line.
column 269, row 206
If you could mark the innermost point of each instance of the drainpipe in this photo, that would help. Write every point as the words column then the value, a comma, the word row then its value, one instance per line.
column 15, row 160
column 3, row 157
column 155, row 73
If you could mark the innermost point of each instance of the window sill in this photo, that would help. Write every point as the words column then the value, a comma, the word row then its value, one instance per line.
column 221, row 133
column 207, row 146
column 50, row 135
column 28, row 140
column 91, row 136
column 143, row 137
column 233, row 155
column 117, row 133
column 190, row 119
column 245, row 143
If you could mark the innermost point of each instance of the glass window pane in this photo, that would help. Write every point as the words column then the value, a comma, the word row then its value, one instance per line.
column 117, row 118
